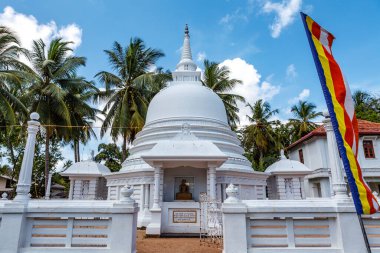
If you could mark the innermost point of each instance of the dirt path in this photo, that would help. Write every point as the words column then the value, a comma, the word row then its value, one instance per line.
column 171, row 245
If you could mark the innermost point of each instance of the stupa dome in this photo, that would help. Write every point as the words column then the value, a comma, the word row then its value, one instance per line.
column 287, row 166
column 86, row 168
column 185, row 101
column 188, row 100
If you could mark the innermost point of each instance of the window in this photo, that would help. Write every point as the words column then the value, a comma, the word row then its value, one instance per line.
column 369, row 152
column 300, row 155
column 85, row 189
column 186, row 67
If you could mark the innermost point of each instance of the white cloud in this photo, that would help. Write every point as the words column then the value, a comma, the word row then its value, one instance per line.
column 291, row 71
column 201, row 56
column 305, row 93
column 285, row 13
column 251, row 88
column 229, row 19
column 28, row 29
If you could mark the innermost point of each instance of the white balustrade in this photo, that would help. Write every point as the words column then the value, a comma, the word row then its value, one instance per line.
column 303, row 226
column 69, row 225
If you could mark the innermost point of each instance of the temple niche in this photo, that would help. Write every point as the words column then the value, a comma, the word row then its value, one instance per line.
column 185, row 149
column 184, row 190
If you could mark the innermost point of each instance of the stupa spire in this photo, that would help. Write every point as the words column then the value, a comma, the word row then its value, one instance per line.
column 186, row 49
column 186, row 70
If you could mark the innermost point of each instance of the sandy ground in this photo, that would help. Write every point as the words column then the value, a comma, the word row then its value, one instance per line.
column 171, row 245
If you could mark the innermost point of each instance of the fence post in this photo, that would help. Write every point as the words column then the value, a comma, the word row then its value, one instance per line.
column 234, row 223
column 124, row 223
column 348, row 228
column 25, row 177
column 12, row 229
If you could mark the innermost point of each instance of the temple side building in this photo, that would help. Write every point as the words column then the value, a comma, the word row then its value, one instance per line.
column 314, row 149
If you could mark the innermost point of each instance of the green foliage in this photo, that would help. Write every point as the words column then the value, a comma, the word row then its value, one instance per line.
column 217, row 78
column 127, row 89
column 303, row 112
column 367, row 106
column 259, row 138
column 111, row 155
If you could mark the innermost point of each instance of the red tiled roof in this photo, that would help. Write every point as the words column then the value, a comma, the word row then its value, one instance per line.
column 365, row 128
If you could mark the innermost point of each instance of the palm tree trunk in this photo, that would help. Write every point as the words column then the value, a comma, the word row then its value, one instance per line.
column 76, row 151
column 124, row 147
column 47, row 156
column 261, row 162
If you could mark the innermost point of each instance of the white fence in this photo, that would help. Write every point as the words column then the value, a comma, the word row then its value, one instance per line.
column 307, row 226
column 68, row 226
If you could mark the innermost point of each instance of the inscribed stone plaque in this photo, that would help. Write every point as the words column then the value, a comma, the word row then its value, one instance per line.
column 185, row 216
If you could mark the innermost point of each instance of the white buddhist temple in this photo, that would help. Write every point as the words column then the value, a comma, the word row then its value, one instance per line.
column 185, row 148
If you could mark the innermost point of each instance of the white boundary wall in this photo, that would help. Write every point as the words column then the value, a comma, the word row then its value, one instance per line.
column 68, row 226
column 307, row 226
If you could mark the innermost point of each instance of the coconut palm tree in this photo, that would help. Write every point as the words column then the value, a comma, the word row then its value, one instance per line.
column 52, row 78
column 12, row 110
column 217, row 78
column 367, row 106
column 127, row 104
column 303, row 112
column 82, row 114
column 10, row 76
column 259, row 135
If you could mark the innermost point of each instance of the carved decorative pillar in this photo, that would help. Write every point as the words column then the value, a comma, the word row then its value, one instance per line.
column 212, row 173
column 157, row 182
column 337, row 177
column 25, row 177
column 146, row 197
column 71, row 189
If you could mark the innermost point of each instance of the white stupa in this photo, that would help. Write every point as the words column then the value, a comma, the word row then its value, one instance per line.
column 185, row 148
column 86, row 180
column 286, row 180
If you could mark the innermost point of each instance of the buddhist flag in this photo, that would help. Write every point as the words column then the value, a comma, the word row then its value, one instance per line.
column 341, row 109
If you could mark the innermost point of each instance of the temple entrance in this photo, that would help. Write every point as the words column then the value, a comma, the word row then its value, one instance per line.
column 180, row 207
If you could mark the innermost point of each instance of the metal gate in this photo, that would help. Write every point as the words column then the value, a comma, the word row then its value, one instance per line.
column 211, row 225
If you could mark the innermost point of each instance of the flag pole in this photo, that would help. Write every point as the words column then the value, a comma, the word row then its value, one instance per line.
column 364, row 233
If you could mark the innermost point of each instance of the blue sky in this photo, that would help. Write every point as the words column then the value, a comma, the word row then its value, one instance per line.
column 262, row 41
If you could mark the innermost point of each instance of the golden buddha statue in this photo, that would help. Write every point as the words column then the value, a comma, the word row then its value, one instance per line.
column 183, row 193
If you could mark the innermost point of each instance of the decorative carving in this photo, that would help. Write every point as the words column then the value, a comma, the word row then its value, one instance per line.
column 185, row 128
column 4, row 196
column 126, row 193
column 232, row 192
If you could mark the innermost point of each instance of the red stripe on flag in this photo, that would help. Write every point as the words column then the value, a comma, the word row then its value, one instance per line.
column 340, row 94
column 316, row 30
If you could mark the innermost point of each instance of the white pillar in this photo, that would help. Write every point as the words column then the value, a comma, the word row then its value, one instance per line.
column 338, row 184
column 145, row 217
column 71, row 189
column 25, row 177
column 212, row 173
column 146, row 197
column 156, row 199
column 154, row 227
column 48, row 188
